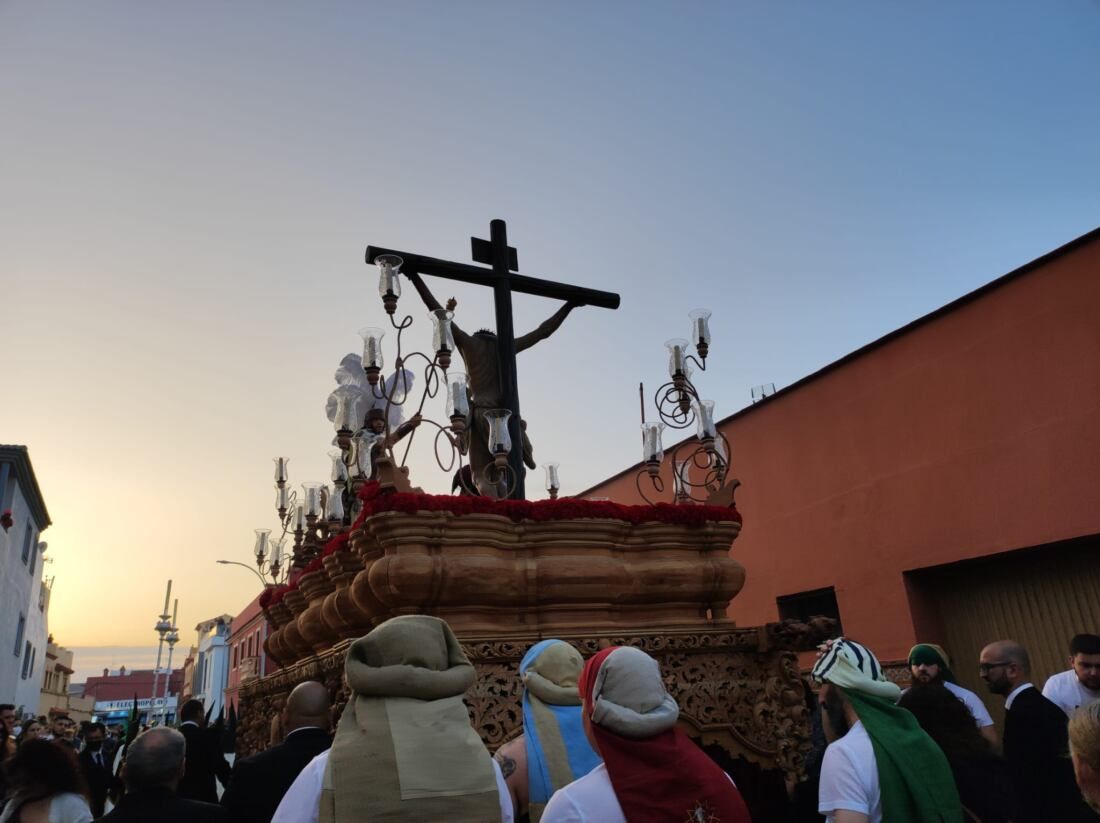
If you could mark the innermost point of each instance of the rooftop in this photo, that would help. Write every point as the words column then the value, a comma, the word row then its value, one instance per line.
column 20, row 459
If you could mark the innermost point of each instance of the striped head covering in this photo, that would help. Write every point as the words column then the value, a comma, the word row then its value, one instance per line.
column 915, row 779
column 557, row 750
column 851, row 665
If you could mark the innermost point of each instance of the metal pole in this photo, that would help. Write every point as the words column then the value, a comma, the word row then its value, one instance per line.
column 172, row 640
column 506, row 350
column 160, row 649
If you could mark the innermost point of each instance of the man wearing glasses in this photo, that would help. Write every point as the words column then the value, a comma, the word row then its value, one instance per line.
column 1035, row 739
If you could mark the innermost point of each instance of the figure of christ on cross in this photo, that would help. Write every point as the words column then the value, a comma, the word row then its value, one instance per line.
column 480, row 352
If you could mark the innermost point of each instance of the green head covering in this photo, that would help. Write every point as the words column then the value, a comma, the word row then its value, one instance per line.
column 930, row 654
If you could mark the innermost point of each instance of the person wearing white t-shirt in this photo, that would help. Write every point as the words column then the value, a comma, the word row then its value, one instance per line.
column 929, row 665
column 870, row 736
column 1080, row 685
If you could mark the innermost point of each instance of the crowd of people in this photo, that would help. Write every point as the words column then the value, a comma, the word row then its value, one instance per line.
column 600, row 743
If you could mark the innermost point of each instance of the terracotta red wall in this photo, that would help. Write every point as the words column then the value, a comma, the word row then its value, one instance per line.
column 975, row 432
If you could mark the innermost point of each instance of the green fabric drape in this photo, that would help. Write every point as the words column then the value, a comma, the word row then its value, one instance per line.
column 913, row 774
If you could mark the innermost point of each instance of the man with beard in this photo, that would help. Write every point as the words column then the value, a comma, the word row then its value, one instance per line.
column 1080, row 686
column 929, row 665
column 1036, row 745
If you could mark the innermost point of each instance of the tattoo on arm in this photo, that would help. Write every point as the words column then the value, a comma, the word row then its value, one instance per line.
column 507, row 764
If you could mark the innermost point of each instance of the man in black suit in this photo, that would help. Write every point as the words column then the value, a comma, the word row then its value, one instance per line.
column 205, row 761
column 155, row 764
column 1036, row 744
column 97, row 766
column 259, row 782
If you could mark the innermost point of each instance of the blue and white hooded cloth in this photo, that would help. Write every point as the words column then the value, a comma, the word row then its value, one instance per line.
column 557, row 750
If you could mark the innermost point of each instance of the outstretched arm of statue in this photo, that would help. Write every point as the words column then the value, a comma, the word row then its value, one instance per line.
column 424, row 292
column 545, row 328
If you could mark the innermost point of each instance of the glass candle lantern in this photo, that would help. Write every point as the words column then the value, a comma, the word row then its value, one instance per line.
column 553, row 484
column 652, row 450
column 679, row 484
column 299, row 518
column 280, row 469
column 700, row 330
column 312, row 496
column 334, row 506
column 443, row 339
column 282, row 497
column 458, row 402
column 365, row 442
column 278, row 549
column 704, row 418
column 261, row 549
column 372, row 351
column 339, row 468
column 500, row 440
column 349, row 415
column 677, row 348
column 389, row 284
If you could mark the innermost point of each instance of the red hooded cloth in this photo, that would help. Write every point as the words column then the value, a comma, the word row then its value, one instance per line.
column 664, row 778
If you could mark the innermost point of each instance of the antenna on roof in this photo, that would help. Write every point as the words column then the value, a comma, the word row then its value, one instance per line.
column 762, row 391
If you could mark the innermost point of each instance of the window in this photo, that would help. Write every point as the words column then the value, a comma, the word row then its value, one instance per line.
column 27, row 535
column 27, row 660
column 19, row 632
column 804, row 605
column 34, row 556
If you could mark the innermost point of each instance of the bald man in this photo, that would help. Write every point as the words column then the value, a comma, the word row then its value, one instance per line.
column 259, row 782
column 1036, row 744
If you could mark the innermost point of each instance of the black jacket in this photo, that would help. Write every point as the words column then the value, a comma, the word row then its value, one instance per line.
column 204, row 763
column 100, row 779
column 163, row 806
column 1036, row 747
column 259, row 782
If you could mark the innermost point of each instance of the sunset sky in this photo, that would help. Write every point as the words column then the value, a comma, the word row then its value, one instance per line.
column 187, row 189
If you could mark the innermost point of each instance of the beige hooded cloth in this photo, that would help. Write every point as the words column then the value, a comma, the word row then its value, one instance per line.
column 404, row 748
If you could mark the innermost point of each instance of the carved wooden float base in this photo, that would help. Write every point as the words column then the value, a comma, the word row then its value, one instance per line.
column 738, row 688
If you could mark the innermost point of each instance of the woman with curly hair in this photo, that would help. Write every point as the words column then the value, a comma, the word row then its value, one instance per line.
column 45, row 786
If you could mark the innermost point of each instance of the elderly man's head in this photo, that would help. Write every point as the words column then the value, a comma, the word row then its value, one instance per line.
column 1084, row 745
column 155, row 759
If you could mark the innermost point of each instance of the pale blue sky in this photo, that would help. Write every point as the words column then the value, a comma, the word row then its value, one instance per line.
column 187, row 190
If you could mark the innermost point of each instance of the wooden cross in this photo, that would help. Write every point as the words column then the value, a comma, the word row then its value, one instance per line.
column 503, row 278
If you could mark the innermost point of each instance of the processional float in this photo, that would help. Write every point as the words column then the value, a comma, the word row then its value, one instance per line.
column 505, row 571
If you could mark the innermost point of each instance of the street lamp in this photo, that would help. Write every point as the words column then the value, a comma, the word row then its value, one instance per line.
column 172, row 638
column 163, row 627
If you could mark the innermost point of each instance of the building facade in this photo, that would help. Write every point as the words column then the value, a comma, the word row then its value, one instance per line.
column 113, row 695
column 940, row 484
column 56, row 697
column 247, row 658
column 211, row 671
column 24, row 595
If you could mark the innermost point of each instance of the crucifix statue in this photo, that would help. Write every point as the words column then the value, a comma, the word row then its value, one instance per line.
column 491, row 357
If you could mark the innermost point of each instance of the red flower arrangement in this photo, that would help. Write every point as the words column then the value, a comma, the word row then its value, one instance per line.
column 375, row 501
column 277, row 595
column 337, row 544
column 6, row 519
column 265, row 596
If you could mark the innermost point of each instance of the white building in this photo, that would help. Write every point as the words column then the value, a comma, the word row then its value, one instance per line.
column 24, row 595
column 212, row 663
